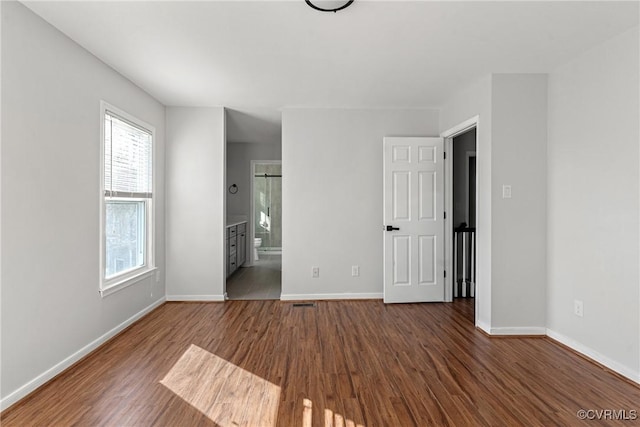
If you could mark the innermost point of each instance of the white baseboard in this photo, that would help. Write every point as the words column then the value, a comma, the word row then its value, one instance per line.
column 596, row 356
column 202, row 298
column 41, row 379
column 518, row 330
column 486, row 328
column 302, row 297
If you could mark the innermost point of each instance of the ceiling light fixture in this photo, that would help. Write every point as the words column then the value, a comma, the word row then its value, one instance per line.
column 340, row 5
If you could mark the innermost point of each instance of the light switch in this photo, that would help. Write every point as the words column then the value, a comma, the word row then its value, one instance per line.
column 506, row 191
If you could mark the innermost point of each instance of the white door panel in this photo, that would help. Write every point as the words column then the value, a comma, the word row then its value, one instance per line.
column 414, row 203
column 401, row 260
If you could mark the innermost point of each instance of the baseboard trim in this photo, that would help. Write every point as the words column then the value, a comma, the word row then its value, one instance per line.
column 22, row 392
column 595, row 356
column 518, row 330
column 201, row 298
column 483, row 327
column 303, row 297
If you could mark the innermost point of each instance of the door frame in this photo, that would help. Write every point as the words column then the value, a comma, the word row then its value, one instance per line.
column 448, row 136
column 252, row 231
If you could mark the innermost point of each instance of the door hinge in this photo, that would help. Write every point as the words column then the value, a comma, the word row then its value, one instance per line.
column 445, row 155
column 445, row 215
column 445, row 274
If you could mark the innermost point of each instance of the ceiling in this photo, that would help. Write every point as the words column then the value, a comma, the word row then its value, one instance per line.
column 256, row 57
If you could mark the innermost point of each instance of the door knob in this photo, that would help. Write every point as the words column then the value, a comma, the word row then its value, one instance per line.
column 391, row 228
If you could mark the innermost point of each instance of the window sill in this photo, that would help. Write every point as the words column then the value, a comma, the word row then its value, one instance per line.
column 125, row 283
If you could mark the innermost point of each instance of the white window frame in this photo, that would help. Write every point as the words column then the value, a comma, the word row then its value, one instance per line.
column 128, row 277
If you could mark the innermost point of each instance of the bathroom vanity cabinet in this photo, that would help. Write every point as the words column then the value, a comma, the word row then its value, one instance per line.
column 236, row 246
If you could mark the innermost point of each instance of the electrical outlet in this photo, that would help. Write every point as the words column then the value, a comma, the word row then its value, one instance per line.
column 355, row 270
column 578, row 308
column 315, row 272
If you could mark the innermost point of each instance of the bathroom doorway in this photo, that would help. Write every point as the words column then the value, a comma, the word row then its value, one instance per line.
column 263, row 278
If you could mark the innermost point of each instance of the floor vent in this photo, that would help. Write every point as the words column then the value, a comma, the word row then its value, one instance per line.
column 304, row 304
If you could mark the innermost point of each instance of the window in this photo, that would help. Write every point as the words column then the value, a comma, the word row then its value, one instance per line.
column 126, row 195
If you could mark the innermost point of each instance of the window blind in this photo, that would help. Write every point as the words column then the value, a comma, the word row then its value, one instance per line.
column 127, row 159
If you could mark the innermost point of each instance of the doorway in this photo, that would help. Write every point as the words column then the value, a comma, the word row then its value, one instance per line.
column 262, row 279
column 464, row 219
column 461, row 225
column 267, row 209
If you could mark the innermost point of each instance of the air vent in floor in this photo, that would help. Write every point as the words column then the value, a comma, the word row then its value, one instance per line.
column 304, row 304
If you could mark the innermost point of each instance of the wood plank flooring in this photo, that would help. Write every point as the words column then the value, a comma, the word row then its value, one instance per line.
column 351, row 363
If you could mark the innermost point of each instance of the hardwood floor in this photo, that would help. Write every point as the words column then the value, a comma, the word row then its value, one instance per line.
column 339, row 363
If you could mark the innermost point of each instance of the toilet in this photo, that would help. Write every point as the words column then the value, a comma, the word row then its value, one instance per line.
column 257, row 242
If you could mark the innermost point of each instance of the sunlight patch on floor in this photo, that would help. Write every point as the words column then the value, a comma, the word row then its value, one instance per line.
column 331, row 419
column 224, row 392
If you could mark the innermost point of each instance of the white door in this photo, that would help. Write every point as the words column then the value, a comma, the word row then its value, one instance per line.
column 413, row 219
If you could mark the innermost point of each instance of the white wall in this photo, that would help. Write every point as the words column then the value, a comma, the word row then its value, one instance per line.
column 519, row 228
column 52, row 312
column 196, row 190
column 239, row 156
column 511, row 266
column 593, row 203
column 471, row 101
column 332, row 197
